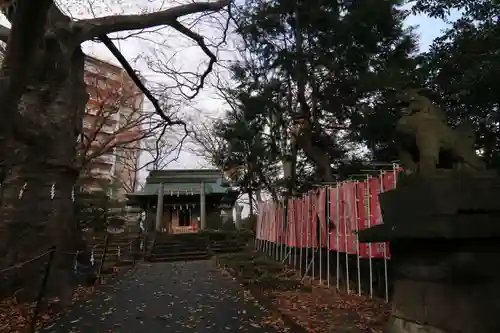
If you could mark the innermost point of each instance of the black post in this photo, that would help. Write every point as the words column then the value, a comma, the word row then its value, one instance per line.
column 144, row 241
column 104, row 252
column 208, row 244
column 41, row 290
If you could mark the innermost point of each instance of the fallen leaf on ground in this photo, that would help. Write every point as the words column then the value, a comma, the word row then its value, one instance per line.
column 315, row 307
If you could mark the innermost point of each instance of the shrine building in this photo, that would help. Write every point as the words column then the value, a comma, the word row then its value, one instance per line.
column 179, row 201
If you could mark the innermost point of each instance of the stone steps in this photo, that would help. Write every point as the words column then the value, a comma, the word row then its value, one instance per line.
column 168, row 247
column 175, row 247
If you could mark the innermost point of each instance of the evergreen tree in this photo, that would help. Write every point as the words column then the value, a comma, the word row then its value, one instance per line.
column 314, row 86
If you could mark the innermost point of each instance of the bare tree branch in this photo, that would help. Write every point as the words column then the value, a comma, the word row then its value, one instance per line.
column 96, row 27
column 133, row 75
column 207, row 145
column 175, row 24
column 201, row 42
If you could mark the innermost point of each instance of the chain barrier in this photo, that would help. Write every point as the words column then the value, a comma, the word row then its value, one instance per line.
column 21, row 264
column 43, row 284
column 54, row 192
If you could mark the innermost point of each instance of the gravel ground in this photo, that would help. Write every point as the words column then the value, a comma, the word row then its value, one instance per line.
column 181, row 297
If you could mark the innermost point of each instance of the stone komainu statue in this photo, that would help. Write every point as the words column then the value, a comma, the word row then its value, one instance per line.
column 426, row 142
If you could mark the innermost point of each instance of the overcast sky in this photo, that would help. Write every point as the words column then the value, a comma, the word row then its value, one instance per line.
column 184, row 55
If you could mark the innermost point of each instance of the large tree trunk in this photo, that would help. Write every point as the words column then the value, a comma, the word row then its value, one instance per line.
column 53, row 108
column 250, row 201
column 306, row 141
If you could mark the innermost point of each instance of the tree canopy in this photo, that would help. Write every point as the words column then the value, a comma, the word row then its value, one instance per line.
column 312, row 99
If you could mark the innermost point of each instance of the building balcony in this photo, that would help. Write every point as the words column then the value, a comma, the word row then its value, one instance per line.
column 106, row 159
column 101, row 174
column 93, row 127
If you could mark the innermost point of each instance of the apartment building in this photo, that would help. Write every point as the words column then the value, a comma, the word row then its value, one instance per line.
column 109, row 146
column 112, row 129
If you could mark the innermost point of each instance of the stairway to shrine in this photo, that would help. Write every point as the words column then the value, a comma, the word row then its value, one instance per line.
column 192, row 246
column 177, row 247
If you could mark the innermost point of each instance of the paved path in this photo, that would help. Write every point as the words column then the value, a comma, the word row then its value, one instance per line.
column 187, row 297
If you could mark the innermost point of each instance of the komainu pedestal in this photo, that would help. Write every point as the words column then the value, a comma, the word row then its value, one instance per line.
column 444, row 233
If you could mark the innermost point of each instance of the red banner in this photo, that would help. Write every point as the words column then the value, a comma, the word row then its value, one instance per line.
column 361, row 196
column 290, row 222
column 349, row 216
column 334, row 217
column 263, row 222
column 309, row 224
column 388, row 181
column 277, row 224
column 270, row 222
column 309, row 213
column 280, row 225
column 323, row 223
column 342, row 226
column 298, row 219
column 377, row 249
column 258, row 226
column 313, row 220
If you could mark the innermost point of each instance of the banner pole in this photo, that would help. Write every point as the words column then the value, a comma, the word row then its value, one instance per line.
column 291, row 236
column 268, row 238
column 277, row 246
column 257, row 230
column 264, row 231
column 386, row 284
column 271, row 227
column 261, row 240
column 289, row 233
column 277, row 249
column 308, row 214
column 346, row 238
column 320, row 233
column 264, row 226
column 281, row 235
column 395, row 168
column 314, row 232
column 328, row 238
column 259, row 225
column 302, row 219
column 283, row 228
column 268, row 249
column 273, row 232
column 307, row 233
column 337, row 236
column 369, row 224
column 295, row 241
column 286, row 233
column 358, row 249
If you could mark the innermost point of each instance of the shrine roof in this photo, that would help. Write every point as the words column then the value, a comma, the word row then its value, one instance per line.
column 182, row 189
column 184, row 182
column 185, row 176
